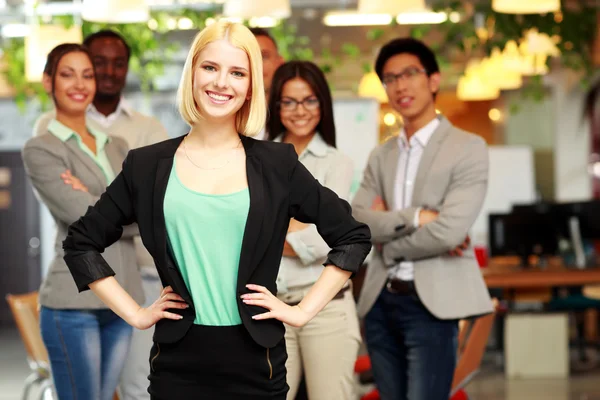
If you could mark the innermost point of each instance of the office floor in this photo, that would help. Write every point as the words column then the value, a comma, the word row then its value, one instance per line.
column 488, row 385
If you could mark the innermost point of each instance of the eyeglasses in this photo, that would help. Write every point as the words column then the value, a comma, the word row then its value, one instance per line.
column 406, row 75
column 310, row 104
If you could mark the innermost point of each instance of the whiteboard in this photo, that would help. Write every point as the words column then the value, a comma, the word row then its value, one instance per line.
column 357, row 132
column 511, row 181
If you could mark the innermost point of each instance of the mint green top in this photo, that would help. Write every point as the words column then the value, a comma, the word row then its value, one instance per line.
column 205, row 234
column 100, row 158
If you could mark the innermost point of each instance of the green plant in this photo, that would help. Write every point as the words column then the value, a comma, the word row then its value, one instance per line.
column 291, row 46
column 575, row 26
column 149, row 51
column 14, row 72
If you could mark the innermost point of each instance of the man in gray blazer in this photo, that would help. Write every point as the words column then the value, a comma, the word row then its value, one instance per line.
column 420, row 194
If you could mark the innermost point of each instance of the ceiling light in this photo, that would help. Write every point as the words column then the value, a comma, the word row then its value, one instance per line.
column 421, row 17
column 525, row 6
column 352, row 18
column 15, row 30
column 115, row 11
column 263, row 22
column 495, row 114
column 247, row 9
column 393, row 7
column 389, row 119
column 370, row 86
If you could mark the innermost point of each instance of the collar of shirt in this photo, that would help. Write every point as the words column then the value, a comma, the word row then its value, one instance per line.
column 64, row 133
column 122, row 108
column 421, row 136
column 317, row 146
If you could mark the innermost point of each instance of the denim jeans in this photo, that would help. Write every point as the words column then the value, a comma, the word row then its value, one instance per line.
column 134, row 380
column 413, row 353
column 87, row 350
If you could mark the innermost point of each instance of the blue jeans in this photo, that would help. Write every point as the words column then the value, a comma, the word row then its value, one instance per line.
column 134, row 380
column 413, row 353
column 87, row 350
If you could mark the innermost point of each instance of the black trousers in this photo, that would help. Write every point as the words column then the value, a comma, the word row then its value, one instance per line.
column 220, row 363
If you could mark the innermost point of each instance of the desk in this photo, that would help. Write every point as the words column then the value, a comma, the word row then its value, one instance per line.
column 513, row 277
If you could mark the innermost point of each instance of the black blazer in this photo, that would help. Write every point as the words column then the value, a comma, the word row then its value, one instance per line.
column 280, row 188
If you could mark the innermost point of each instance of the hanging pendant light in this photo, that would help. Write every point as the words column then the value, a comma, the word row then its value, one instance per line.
column 370, row 86
column 115, row 11
column 472, row 86
column 525, row 6
column 247, row 9
column 393, row 7
column 494, row 71
column 40, row 41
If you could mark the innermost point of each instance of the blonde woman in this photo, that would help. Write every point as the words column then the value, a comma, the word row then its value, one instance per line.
column 213, row 208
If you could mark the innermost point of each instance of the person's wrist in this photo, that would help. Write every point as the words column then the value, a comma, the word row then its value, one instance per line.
column 307, row 315
column 134, row 318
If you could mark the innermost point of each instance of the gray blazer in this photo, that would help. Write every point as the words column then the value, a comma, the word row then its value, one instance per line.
column 452, row 178
column 45, row 158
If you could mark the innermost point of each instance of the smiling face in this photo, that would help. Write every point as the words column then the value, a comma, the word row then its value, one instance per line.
column 411, row 93
column 221, row 81
column 74, row 83
column 299, row 119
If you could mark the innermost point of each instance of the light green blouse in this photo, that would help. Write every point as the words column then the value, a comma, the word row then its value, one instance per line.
column 205, row 233
column 100, row 158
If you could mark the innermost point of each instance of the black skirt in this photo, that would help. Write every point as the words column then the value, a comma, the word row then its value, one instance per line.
column 217, row 362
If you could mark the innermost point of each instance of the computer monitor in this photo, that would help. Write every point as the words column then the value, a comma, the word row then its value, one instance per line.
column 523, row 234
column 587, row 213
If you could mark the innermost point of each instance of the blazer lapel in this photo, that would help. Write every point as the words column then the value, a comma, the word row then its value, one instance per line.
column 255, row 216
column 161, row 181
column 428, row 157
column 86, row 160
column 389, row 172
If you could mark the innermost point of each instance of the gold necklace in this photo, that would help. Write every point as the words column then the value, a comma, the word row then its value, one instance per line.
column 206, row 169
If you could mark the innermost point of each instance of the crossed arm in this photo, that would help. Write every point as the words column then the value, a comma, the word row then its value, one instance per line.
column 436, row 232
column 64, row 194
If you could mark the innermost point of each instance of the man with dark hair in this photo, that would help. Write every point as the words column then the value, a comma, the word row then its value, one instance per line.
column 271, row 61
column 111, row 114
column 420, row 194
column 270, row 56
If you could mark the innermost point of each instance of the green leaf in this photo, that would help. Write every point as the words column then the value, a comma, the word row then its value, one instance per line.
column 351, row 50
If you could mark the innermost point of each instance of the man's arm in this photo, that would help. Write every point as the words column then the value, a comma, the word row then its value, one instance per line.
column 458, row 212
column 368, row 207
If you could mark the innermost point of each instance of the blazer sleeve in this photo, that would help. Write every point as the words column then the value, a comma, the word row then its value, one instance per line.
column 310, row 202
column 99, row 228
column 44, row 167
column 307, row 243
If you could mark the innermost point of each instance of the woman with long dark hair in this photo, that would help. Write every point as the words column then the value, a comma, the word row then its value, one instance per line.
column 301, row 114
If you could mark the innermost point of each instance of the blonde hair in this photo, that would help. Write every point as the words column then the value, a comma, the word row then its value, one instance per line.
column 250, row 119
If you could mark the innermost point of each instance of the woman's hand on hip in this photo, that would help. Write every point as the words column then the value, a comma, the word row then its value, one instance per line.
column 291, row 315
column 147, row 317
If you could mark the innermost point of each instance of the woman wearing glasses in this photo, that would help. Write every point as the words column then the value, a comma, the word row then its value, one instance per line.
column 301, row 113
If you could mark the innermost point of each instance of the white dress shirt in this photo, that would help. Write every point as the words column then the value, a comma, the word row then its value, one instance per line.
column 406, row 173
column 334, row 170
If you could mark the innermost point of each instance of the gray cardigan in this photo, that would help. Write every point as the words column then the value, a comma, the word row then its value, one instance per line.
column 45, row 158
